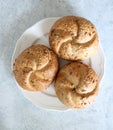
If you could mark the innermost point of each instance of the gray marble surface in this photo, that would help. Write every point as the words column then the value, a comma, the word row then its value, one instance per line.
column 16, row 112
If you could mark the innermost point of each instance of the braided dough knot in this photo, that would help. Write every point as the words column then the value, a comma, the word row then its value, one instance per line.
column 73, row 38
column 36, row 67
column 76, row 85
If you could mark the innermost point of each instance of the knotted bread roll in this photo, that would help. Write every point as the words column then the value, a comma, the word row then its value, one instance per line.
column 76, row 85
column 35, row 68
column 73, row 38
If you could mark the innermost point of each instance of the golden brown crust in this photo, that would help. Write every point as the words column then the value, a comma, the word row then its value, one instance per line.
column 76, row 85
column 73, row 38
column 35, row 68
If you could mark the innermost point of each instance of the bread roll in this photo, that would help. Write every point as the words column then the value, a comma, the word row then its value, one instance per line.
column 35, row 68
column 73, row 38
column 76, row 85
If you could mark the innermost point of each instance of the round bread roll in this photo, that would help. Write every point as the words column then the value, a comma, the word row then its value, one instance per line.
column 76, row 85
column 35, row 68
column 73, row 38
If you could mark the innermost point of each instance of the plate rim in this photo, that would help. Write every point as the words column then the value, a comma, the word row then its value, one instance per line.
column 38, row 105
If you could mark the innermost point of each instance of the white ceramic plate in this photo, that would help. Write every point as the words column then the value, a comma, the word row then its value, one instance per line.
column 38, row 33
